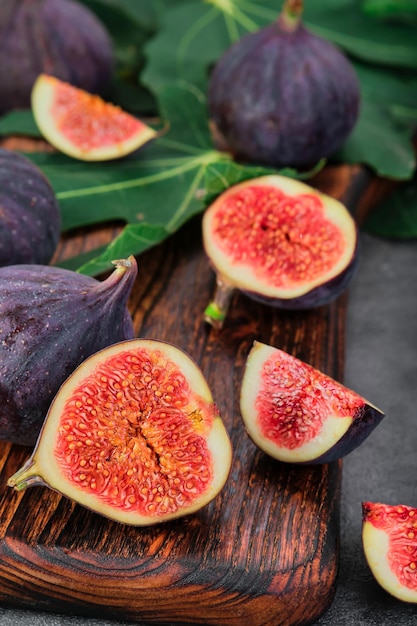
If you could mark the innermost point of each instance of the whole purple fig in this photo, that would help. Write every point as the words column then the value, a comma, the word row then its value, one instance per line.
column 59, row 37
column 30, row 217
column 52, row 319
column 283, row 96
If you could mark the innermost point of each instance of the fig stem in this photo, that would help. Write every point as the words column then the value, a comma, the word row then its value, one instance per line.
column 25, row 477
column 291, row 13
column 216, row 311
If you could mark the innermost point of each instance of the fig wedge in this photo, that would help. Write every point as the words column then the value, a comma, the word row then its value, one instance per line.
column 297, row 414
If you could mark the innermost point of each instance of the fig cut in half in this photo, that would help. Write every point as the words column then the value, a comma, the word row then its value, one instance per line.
column 134, row 435
column 279, row 241
column 389, row 537
column 83, row 125
column 297, row 414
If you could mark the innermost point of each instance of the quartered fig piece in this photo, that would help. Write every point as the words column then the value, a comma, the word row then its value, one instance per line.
column 297, row 414
column 283, row 96
column 279, row 241
column 30, row 218
column 134, row 435
column 61, row 37
column 389, row 535
column 51, row 319
column 84, row 126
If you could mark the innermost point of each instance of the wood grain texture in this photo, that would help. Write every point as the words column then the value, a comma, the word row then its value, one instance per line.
column 265, row 552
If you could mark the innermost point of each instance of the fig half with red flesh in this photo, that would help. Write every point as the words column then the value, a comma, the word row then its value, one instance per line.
column 389, row 536
column 134, row 435
column 296, row 413
column 279, row 241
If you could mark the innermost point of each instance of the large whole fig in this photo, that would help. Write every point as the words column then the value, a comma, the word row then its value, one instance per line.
column 279, row 241
column 283, row 96
column 134, row 435
column 60, row 37
column 297, row 414
column 30, row 218
column 52, row 319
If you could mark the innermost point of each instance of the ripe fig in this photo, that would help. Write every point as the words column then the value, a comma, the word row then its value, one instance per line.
column 279, row 241
column 82, row 125
column 30, row 224
column 51, row 319
column 389, row 536
column 134, row 435
column 61, row 37
column 297, row 414
column 282, row 96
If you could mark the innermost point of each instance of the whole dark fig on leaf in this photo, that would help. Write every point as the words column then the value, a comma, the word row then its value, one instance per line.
column 61, row 37
column 51, row 319
column 83, row 125
column 296, row 413
column 133, row 434
column 30, row 217
column 283, row 96
column 279, row 241
column 389, row 539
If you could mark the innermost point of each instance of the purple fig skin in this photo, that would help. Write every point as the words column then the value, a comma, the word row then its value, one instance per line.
column 282, row 98
column 30, row 224
column 52, row 319
column 59, row 37
column 362, row 426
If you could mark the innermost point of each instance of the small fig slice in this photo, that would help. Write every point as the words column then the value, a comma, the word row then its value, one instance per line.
column 279, row 241
column 51, row 319
column 134, row 435
column 297, row 414
column 389, row 536
column 30, row 217
column 84, row 126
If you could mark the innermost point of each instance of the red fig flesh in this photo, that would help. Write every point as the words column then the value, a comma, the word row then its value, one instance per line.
column 297, row 414
column 389, row 535
column 134, row 435
column 279, row 241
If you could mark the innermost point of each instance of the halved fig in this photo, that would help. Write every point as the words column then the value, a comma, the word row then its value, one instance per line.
column 296, row 413
column 279, row 241
column 389, row 536
column 134, row 435
column 83, row 125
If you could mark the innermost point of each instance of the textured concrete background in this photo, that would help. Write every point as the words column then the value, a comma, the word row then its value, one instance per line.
column 381, row 364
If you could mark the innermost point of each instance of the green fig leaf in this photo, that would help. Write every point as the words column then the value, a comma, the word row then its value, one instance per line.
column 380, row 139
column 19, row 122
column 396, row 216
column 399, row 9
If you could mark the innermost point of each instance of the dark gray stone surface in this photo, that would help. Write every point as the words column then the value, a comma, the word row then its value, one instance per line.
column 381, row 364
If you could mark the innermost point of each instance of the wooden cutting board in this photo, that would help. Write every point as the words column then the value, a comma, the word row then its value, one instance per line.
column 266, row 550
